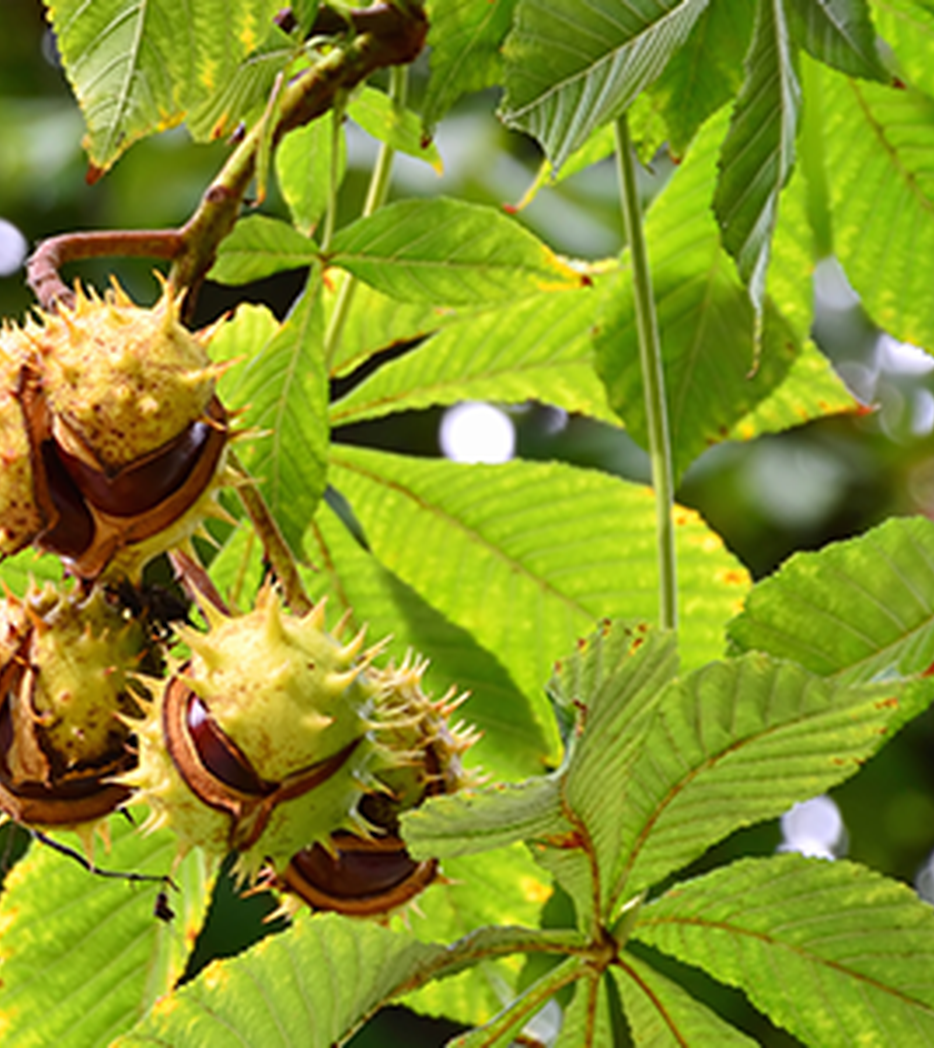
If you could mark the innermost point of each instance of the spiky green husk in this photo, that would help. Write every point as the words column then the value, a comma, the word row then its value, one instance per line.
column 20, row 518
column 85, row 655
column 289, row 695
column 121, row 380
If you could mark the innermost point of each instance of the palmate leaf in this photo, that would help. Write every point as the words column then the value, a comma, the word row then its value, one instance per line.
column 84, row 957
column 854, row 949
column 662, row 1015
column 840, row 33
column 874, row 620
column 614, row 680
column 449, row 252
column 538, row 348
column 283, row 387
column 586, row 1022
column 879, row 144
column 465, row 39
column 527, row 556
column 572, row 65
column 759, row 151
column 706, row 324
column 138, row 66
column 738, row 742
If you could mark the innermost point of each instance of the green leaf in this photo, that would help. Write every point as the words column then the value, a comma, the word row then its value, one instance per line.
column 379, row 322
column 662, row 1015
column 706, row 72
column 811, row 389
column 759, row 150
column 513, row 744
column 839, row 33
column 879, row 142
column 310, row 986
column 538, row 348
column 246, row 88
column 855, row 946
column 303, row 167
column 908, row 27
column 137, row 66
column 449, row 252
column 84, row 957
column 705, row 319
column 586, row 1022
column 473, row 820
column 284, row 389
column 873, row 621
column 400, row 128
column 260, row 246
column 483, row 544
column 464, row 39
column 573, row 65
column 735, row 743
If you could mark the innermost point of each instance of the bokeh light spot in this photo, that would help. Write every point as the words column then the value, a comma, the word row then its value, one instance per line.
column 13, row 248
column 474, row 432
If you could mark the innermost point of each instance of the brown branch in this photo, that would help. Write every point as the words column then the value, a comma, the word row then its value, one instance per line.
column 380, row 36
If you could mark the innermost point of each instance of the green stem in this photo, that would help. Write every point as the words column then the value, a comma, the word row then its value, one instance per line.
column 330, row 216
column 375, row 198
column 653, row 378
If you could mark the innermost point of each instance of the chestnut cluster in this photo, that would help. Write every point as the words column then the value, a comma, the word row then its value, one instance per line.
column 271, row 738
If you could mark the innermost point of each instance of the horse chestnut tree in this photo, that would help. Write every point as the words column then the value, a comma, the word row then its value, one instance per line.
column 179, row 510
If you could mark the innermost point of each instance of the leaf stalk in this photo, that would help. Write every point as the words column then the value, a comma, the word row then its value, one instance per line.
column 653, row 377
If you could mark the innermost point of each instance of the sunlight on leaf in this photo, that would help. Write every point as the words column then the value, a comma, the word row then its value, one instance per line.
column 662, row 1014
column 484, row 544
column 258, row 247
column 537, row 349
column 447, row 251
column 374, row 112
column 876, row 620
column 137, row 66
column 83, row 957
column 513, row 743
column 855, row 946
column 738, row 742
column 879, row 142
column 283, row 388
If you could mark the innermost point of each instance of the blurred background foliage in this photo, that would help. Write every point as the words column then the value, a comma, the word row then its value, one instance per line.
column 767, row 498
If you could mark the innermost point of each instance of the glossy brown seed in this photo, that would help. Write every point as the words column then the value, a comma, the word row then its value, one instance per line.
column 363, row 879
